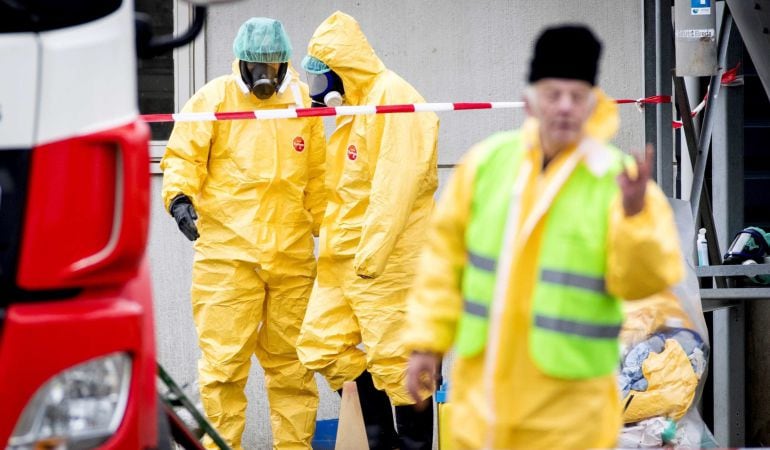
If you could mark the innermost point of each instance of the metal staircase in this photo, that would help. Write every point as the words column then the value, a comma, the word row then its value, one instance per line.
column 756, row 142
column 729, row 148
column 753, row 20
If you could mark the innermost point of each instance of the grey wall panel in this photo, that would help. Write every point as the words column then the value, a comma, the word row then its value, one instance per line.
column 458, row 50
column 170, row 255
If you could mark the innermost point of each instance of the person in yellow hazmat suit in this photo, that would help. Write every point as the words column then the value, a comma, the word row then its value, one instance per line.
column 251, row 194
column 537, row 236
column 381, row 177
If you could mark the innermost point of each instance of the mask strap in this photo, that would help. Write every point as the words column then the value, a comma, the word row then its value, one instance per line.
column 297, row 95
column 760, row 239
column 245, row 73
column 284, row 83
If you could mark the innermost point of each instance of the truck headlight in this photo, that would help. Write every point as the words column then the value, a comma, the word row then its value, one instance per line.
column 79, row 408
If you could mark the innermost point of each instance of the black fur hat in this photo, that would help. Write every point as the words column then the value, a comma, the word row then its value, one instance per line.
column 568, row 51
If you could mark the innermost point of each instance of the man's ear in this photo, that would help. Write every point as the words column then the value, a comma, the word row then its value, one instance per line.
column 594, row 102
column 529, row 100
column 528, row 107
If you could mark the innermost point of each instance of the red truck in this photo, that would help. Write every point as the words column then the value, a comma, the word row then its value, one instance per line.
column 77, row 351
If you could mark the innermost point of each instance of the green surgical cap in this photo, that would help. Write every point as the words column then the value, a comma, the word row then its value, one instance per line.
column 262, row 40
column 314, row 65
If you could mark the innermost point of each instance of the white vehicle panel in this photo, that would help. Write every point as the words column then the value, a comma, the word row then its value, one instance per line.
column 18, row 90
column 88, row 77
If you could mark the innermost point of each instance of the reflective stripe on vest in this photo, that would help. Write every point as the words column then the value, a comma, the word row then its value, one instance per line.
column 583, row 329
column 574, row 280
column 482, row 262
column 474, row 308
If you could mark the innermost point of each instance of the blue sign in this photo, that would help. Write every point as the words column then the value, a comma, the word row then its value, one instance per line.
column 700, row 7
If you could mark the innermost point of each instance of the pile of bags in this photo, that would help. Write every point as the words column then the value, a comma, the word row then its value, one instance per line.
column 665, row 355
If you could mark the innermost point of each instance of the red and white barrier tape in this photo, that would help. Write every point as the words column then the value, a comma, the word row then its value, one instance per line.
column 678, row 123
column 654, row 99
column 730, row 77
column 293, row 113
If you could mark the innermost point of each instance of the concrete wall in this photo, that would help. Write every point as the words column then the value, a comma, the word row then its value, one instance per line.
column 450, row 51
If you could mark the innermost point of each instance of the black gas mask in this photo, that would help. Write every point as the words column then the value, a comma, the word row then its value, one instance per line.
column 262, row 79
column 749, row 243
column 325, row 89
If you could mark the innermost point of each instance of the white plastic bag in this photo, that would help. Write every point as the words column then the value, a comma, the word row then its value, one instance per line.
column 665, row 351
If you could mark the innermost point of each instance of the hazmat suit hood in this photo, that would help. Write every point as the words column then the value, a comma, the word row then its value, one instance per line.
column 340, row 44
column 604, row 122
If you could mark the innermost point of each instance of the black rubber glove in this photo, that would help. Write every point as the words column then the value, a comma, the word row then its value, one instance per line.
column 184, row 214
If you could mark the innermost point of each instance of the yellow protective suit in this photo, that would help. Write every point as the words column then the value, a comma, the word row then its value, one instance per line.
column 646, row 316
column 258, row 189
column 530, row 409
column 381, row 176
column 671, row 386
